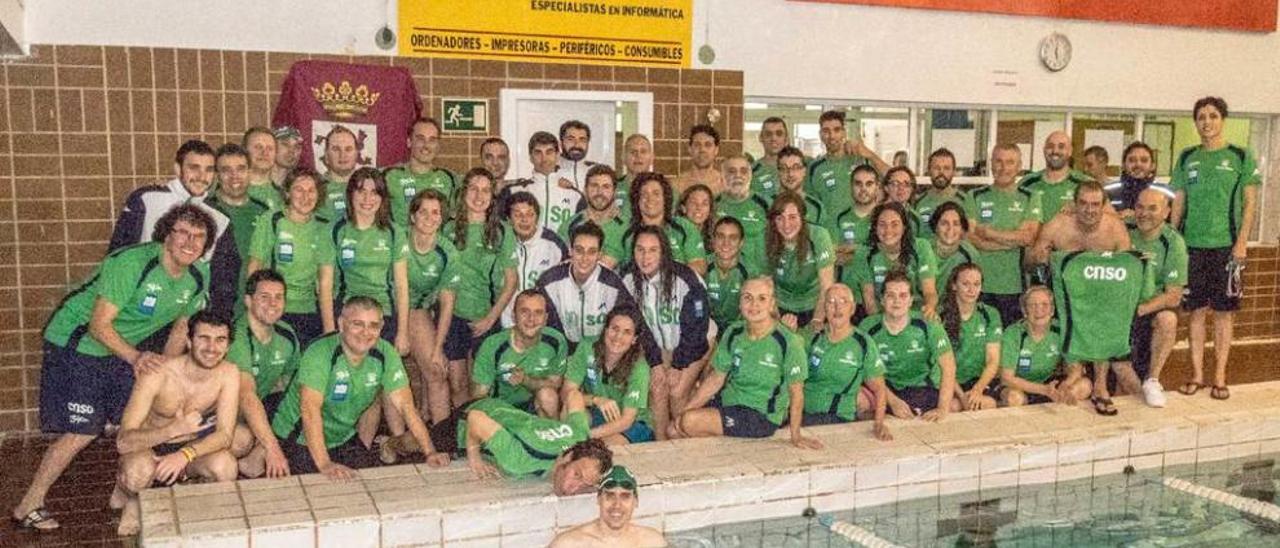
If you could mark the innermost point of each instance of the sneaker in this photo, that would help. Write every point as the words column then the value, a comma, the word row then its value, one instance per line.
column 1153, row 392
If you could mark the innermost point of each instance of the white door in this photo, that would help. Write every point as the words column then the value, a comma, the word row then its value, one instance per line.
column 526, row 111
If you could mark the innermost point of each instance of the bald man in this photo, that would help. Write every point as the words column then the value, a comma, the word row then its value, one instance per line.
column 1057, row 181
column 1155, row 327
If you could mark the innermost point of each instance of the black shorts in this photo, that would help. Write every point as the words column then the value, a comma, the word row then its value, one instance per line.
column 1140, row 343
column 1007, row 305
column 352, row 454
column 993, row 387
column 819, row 419
column 739, row 421
column 919, row 398
column 459, row 344
column 308, row 327
column 80, row 394
column 1207, row 280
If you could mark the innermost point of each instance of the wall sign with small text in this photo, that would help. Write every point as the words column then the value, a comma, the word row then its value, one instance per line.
column 655, row 33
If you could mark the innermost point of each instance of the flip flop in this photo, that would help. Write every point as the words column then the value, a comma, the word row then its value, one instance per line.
column 33, row 520
column 1104, row 406
column 1190, row 388
column 1219, row 392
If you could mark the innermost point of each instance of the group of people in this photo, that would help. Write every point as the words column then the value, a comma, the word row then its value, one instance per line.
column 529, row 323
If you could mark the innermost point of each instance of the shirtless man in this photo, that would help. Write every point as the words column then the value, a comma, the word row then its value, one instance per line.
column 179, row 420
column 1088, row 226
column 617, row 499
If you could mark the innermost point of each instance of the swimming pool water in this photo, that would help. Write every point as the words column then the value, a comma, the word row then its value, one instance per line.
column 1131, row 510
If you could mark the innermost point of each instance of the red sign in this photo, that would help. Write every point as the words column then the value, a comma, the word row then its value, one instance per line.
column 378, row 104
column 1247, row 15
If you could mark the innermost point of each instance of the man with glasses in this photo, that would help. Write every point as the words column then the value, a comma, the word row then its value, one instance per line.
column 617, row 499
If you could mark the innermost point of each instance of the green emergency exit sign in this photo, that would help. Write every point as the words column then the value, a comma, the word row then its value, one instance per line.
column 465, row 114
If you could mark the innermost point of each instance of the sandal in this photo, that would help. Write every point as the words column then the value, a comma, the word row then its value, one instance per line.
column 1190, row 388
column 1104, row 406
column 1219, row 392
column 37, row 520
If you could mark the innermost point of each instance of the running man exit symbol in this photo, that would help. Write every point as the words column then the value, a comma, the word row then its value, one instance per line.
column 465, row 114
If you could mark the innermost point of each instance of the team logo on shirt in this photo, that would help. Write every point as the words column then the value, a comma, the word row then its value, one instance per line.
column 769, row 360
column 915, row 347
column 371, row 379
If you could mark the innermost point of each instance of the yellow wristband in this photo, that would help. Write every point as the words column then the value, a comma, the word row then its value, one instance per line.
column 190, row 453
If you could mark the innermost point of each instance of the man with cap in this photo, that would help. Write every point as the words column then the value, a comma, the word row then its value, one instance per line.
column 288, row 150
column 617, row 498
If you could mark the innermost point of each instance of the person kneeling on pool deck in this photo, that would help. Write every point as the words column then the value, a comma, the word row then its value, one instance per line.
column 524, row 364
column 1031, row 357
column 614, row 374
column 617, row 498
column 179, row 419
column 842, row 359
column 760, row 364
column 918, row 362
column 501, row 439
column 339, row 378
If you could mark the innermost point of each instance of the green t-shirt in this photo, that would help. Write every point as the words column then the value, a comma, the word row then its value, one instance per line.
column 684, row 237
column 365, row 262
column 912, row 358
column 1214, row 184
column 1053, row 195
column 296, row 251
column 753, row 213
column 584, row 371
column 1096, row 295
column 1002, row 209
column 348, row 389
column 982, row 328
column 795, row 282
column 428, row 271
column 403, row 185
column 333, row 200
column 850, row 229
column 272, row 364
column 526, row 445
column 146, row 297
column 1167, row 255
column 964, row 253
column 837, row 370
column 481, row 272
column 1031, row 360
column 928, row 203
column 244, row 220
column 816, row 212
column 268, row 193
column 764, row 180
column 724, row 287
column 613, row 229
column 497, row 356
column 828, row 180
column 622, row 194
column 870, row 266
column 760, row 372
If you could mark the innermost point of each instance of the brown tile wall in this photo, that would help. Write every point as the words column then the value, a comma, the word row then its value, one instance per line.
column 82, row 126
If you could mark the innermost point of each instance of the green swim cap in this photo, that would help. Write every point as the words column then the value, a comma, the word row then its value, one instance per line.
column 618, row 476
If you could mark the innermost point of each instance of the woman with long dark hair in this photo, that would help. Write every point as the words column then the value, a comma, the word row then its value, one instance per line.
column 893, row 246
column 800, row 258
column 613, row 376
column 695, row 205
column 974, row 329
column 652, row 204
column 949, row 225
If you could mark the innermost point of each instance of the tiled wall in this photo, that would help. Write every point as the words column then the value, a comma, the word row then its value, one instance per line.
column 82, row 126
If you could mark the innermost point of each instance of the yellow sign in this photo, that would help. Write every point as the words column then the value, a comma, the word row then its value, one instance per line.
column 603, row 32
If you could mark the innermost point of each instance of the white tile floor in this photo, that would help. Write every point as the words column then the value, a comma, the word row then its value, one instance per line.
column 724, row 481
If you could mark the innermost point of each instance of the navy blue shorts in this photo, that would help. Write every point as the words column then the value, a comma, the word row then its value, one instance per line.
column 81, row 394
column 1140, row 344
column 638, row 433
column 1207, row 280
column 308, row 327
column 739, row 421
column 819, row 419
column 459, row 344
column 352, row 454
column 919, row 398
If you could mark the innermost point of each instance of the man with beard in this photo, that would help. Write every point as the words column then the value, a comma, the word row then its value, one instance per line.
column 420, row 172
column 637, row 158
column 617, row 499
column 558, row 198
column 852, row 227
column 828, row 177
column 791, row 171
column 572, row 166
column 537, row 248
column 740, row 202
column 1057, row 182
column 603, row 210
column 1138, row 173
column 288, row 150
column 260, row 144
column 179, row 420
column 942, row 169
column 704, row 147
column 1088, row 227
column 764, row 172
column 341, row 157
column 232, row 198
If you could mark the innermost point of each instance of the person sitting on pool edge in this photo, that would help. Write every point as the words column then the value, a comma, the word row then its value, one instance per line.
column 617, row 498
column 760, row 364
column 503, row 440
